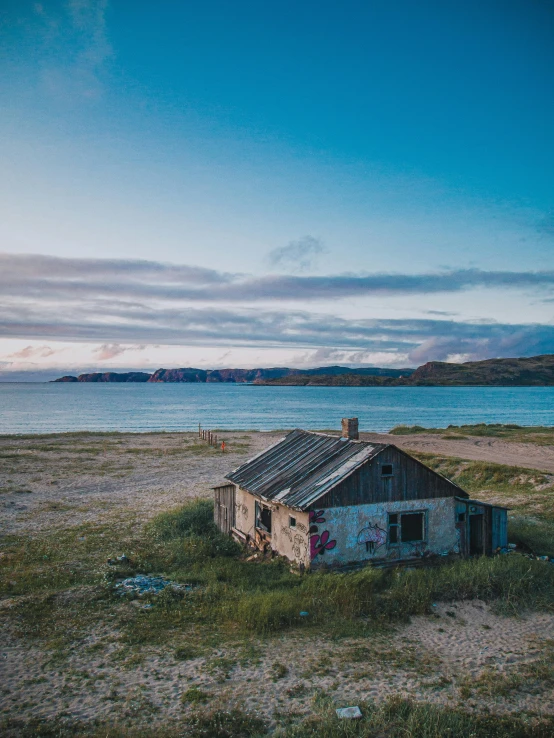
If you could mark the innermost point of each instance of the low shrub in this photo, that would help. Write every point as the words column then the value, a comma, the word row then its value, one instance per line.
column 194, row 518
column 233, row 723
column 536, row 535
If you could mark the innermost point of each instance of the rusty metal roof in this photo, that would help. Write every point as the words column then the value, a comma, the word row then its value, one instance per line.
column 300, row 468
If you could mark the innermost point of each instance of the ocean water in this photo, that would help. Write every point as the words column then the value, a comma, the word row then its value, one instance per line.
column 48, row 408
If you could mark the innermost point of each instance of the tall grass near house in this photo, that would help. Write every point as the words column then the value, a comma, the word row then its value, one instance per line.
column 229, row 595
column 265, row 597
column 400, row 717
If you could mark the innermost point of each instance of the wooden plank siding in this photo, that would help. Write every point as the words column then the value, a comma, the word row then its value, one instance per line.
column 224, row 507
column 410, row 480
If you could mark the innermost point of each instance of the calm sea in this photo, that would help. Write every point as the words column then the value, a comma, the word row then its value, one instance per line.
column 46, row 408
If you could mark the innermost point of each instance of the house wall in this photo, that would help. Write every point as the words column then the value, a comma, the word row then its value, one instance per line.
column 340, row 535
column 410, row 480
column 290, row 542
column 245, row 512
column 286, row 541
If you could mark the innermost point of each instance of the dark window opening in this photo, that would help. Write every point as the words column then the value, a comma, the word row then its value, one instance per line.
column 386, row 470
column 292, row 522
column 461, row 517
column 412, row 527
column 263, row 518
column 406, row 527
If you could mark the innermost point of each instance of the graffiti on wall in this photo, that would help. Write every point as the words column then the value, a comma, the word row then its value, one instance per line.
column 373, row 537
column 241, row 509
column 297, row 541
column 319, row 541
column 299, row 547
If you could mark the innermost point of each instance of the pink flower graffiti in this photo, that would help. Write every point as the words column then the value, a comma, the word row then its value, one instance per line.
column 319, row 543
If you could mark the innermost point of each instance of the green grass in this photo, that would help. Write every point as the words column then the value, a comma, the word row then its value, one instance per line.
column 391, row 719
column 69, row 585
column 400, row 717
column 541, row 435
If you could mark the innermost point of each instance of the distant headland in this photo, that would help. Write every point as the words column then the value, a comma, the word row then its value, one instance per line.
column 535, row 371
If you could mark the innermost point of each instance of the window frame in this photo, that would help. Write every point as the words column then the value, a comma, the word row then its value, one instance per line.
column 292, row 522
column 397, row 526
column 387, row 474
column 258, row 524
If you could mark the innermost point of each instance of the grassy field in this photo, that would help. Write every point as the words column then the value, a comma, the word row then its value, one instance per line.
column 208, row 660
column 539, row 435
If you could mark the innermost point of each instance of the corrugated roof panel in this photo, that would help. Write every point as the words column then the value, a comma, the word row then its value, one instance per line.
column 302, row 467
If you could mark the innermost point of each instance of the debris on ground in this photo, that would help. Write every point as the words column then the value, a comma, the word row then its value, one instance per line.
column 349, row 713
column 144, row 585
column 119, row 560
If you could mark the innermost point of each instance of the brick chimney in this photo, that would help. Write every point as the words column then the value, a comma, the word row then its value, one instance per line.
column 350, row 428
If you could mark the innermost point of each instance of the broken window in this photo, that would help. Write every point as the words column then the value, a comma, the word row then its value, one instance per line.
column 411, row 527
column 292, row 522
column 406, row 527
column 263, row 517
column 386, row 470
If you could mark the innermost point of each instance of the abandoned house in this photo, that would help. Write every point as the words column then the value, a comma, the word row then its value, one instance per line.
column 323, row 499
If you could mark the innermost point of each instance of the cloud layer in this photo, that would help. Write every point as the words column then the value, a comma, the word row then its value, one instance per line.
column 62, row 278
column 116, row 302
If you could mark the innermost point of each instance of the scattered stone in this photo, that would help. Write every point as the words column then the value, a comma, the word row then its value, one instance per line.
column 349, row 713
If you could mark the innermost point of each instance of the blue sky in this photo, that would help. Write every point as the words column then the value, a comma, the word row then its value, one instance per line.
column 273, row 145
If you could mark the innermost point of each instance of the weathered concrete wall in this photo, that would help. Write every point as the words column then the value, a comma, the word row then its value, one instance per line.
column 361, row 532
column 286, row 541
column 345, row 535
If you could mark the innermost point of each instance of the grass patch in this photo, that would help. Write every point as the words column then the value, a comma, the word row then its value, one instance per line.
column 400, row 717
column 391, row 719
column 195, row 696
column 536, row 535
column 538, row 434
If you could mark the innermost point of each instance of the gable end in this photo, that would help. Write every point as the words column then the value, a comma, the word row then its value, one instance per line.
column 410, row 480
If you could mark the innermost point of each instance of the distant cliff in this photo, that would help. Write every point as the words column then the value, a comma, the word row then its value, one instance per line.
column 190, row 374
column 107, row 377
column 537, row 371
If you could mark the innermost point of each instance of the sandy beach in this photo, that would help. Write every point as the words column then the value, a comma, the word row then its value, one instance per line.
column 107, row 486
